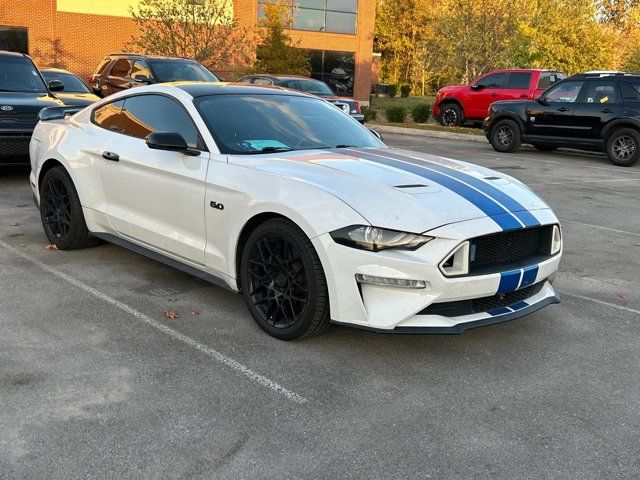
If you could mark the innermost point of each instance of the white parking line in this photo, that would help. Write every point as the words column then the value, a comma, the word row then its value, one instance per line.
column 230, row 362
column 601, row 228
column 601, row 302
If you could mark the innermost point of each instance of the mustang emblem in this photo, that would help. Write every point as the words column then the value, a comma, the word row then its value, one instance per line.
column 6, row 108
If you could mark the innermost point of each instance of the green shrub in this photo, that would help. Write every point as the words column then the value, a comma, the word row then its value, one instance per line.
column 396, row 114
column 392, row 90
column 421, row 113
column 369, row 113
column 405, row 90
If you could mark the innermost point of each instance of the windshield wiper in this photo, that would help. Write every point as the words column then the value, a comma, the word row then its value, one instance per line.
column 274, row 149
column 345, row 146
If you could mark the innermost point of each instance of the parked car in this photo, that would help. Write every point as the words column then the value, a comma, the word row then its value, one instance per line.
column 121, row 71
column 455, row 105
column 310, row 216
column 23, row 93
column 308, row 85
column 74, row 92
column 599, row 111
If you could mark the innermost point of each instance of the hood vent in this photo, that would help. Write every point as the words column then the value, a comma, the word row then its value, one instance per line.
column 418, row 185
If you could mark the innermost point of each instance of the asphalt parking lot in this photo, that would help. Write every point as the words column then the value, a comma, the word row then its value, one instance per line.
column 95, row 381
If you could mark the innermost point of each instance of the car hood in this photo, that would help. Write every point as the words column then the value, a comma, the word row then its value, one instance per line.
column 77, row 99
column 405, row 190
column 452, row 89
column 23, row 102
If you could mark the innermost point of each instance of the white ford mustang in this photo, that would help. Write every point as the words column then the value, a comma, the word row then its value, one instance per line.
column 283, row 197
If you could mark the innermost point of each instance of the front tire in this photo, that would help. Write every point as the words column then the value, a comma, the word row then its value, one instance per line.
column 450, row 115
column 283, row 282
column 61, row 212
column 623, row 147
column 505, row 136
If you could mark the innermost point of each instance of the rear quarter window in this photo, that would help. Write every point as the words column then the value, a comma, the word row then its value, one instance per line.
column 102, row 65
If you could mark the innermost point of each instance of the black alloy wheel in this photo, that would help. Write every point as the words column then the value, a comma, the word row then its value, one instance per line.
column 61, row 212
column 505, row 136
column 283, row 282
column 623, row 147
column 450, row 115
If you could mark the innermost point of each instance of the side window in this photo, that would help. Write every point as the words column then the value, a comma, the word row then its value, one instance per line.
column 262, row 81
column 121, row 68
column 549, row 78
column 140, row 67
column 564, row 93
column 520, row 80
column 108, row 116
column 245, row 80
column 103, row 64
column 495, row 80
column 600, row 92
column 145, row 114
column 630, row 91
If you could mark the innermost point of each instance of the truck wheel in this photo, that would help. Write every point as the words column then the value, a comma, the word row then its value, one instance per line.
column 450, row 115
column 623, row 147
column 505, row 136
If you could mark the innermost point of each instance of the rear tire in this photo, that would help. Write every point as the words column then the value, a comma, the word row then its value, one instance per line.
column 283, row 282
column 623, row 147
column 61, row 212
column 450, row 115
column 545, row 148
column 505, row 136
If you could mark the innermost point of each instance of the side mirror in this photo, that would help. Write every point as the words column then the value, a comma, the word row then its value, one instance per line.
column 376, row 134
column 170, row 141
column 477, row 86
column 142, row 79
column 55, row 86
column 542, row 100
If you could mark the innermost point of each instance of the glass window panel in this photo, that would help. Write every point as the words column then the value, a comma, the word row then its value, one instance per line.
column 319, row 4
column 564, row 93
column 14, row 39
column 343, row 5
column 338, row 71
column 309, row 20
column 338, row 22
column 519, row 80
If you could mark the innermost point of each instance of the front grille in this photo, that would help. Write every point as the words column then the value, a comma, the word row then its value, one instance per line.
column 19, row 117
column 481, row 305
column 496, row 252
column 14, row 146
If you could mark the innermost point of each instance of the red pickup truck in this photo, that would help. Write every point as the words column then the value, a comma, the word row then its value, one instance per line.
column 455, row 105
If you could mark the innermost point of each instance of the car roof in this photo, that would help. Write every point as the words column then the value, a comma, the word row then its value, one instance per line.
column 201, row 89
column 142, row 55
column 285, row 77
column 509, row 70
column 7, row 53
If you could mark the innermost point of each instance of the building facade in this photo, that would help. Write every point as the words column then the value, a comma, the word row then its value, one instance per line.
column 76, row 34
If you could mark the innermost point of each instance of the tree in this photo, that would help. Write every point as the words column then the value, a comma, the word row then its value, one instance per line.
column 277, row 53
column 204, row 30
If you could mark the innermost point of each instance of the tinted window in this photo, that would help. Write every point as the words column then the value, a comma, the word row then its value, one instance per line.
column 566, row 92
column 18, row 74
column 262, row 81
column 263, row 123
column 14, row 39
column 549, row 78
column 495, row 80
column 121, row 68
column 519, row 80
column 338, row 16
column 108, row 116
column 630, row 91
column 103, row 64
column 245, row 80
column 600, row 92
column 340, row 22
column 140, row 67
column 317, row 88
column 72, row 84
column 181, row 71
column 307, row 19
column 145, row 114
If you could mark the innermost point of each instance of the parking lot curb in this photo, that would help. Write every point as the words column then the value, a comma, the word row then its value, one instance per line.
column 428, row 133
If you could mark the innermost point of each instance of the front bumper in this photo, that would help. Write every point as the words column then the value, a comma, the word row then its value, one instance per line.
column 358, row 116
column 393, row 309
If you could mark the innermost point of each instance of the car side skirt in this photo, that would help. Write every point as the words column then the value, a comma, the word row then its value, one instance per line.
column 171, row 262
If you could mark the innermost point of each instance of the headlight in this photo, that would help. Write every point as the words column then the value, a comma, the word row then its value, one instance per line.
column 375, row 239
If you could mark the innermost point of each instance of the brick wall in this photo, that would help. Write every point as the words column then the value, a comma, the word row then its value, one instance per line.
column 78, row 42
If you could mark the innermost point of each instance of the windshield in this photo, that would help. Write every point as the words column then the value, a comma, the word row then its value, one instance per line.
column 72, row 84
column 181, row 71
column 259, row 123
column 18, row 74
column 320, row 89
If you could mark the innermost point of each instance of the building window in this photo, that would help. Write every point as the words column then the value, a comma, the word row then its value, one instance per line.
column 14, row 39
column 333, row 16
column 334, row 68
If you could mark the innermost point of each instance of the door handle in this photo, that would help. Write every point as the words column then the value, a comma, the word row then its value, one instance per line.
column 114, row 157
column 563, row 109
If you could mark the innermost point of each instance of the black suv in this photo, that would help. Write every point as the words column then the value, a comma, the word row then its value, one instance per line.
column 23, row 93
column 592, row 111
column 120, row 71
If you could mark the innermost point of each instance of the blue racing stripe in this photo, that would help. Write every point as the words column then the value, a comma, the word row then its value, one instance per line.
column 519, row 306
column 499, row 311
column 509, row 203
column 498, row 214
column 529, row 276
column 509, row 281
